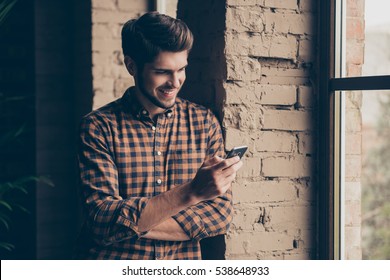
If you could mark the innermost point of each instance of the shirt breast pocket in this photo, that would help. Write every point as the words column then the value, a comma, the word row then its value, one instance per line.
column 185, row 164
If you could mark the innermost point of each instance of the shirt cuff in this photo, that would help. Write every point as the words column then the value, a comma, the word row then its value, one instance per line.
column 129, row 216
column 191, row 224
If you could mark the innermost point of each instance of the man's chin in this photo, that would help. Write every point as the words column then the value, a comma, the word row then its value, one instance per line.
column 167, row 106
column 163, row 105
column 169, row 103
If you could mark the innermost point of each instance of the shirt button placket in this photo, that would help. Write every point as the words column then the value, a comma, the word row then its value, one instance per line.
column 158, row 160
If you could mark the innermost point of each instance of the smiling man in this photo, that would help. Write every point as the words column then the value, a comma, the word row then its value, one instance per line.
column 153, row 175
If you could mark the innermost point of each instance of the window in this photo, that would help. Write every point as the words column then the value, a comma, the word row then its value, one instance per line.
column 355, row 93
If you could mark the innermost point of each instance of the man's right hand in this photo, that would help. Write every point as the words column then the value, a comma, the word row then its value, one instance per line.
column 214, row 177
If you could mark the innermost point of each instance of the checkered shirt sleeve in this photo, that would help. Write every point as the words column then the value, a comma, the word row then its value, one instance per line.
column 211, row 217
column 113, row 217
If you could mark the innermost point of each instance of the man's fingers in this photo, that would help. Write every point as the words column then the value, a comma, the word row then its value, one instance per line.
column 232, row 169
column 212, row 161
column 224, row 164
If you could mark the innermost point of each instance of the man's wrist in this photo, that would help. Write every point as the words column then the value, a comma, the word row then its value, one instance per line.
column 189, row 194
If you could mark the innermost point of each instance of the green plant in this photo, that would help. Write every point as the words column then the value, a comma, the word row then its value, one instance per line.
column 11, row 187
column 8, row 204
column 5, row 8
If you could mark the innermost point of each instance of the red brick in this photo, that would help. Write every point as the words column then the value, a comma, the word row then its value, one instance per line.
column 355, row 28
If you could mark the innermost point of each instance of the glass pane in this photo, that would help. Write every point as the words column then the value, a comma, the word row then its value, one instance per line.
column 367, row 39
column 366, row 188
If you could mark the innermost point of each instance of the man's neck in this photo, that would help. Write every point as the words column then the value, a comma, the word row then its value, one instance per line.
column 152, row 109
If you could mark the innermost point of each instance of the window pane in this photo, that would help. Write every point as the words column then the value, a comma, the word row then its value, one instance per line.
column 367, row 38
column 366, row 188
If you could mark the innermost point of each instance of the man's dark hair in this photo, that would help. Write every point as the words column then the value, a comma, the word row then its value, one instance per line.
column 144, row 38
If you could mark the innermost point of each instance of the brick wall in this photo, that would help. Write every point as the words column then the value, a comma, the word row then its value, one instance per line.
column 270, row 106
column 110, row 77
column 253, row 63
column 353, row 127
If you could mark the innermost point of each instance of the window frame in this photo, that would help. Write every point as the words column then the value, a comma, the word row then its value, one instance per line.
column 332, row 85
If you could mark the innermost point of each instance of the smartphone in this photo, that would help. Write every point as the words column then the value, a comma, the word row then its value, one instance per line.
column 237, row 151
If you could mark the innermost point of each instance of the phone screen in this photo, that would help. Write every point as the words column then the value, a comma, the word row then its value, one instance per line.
column 237, row 151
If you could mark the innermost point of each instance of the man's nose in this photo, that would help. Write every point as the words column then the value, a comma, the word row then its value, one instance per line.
column 175, row 81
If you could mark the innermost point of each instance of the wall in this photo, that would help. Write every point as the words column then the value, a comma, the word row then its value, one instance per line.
column 206, row 71
column 254, row 64
column 270, row 106
column 17, row 155
column 63, row 86
column 353, row 126
column 110, row 77
column 45, row 58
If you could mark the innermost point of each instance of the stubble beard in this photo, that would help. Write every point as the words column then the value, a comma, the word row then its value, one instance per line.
column 153, row 99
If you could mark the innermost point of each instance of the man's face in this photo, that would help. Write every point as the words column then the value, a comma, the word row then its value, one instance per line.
column 159, row 82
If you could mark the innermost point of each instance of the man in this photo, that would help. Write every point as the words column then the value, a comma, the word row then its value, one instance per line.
column 153, row 176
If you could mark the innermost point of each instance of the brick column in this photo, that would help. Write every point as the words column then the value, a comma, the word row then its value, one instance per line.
column 254, row 64
column 270, row 106
column 353, row 127
column 110, row 77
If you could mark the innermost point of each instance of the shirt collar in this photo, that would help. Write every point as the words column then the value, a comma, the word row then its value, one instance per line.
column 131, row 102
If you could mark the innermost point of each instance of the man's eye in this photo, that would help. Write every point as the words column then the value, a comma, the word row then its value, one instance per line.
column 161, row 72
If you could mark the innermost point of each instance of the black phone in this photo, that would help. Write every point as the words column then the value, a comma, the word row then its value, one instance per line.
column 237, row 151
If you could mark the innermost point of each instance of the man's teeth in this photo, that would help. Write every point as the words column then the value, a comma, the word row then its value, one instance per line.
column 167, row 91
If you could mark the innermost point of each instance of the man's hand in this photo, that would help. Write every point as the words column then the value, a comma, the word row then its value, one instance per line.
column 214, row 178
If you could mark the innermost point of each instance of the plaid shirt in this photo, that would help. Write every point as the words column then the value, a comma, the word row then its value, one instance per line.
column 126, row 158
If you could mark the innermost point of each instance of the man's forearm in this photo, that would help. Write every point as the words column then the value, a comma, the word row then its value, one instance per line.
column 212, row 180
column 162, row 207
column 168, row 230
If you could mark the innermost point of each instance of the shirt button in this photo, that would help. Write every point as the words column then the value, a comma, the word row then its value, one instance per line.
column 153, row 128
column 159, row 153
column 159, row 181
column 169, row 115
column 144, row 112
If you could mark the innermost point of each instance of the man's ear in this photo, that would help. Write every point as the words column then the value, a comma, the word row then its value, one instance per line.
column 130, row 65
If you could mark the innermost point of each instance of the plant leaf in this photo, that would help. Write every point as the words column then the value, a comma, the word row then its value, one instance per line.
column 46, row 180
column 6, row 205
column 5, row 8
column 7, row 246
column 20, row 207
column 4, row 220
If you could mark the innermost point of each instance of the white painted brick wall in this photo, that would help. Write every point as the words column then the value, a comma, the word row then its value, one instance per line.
column 270, row 106
column 110, row 77
column 287, row 166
